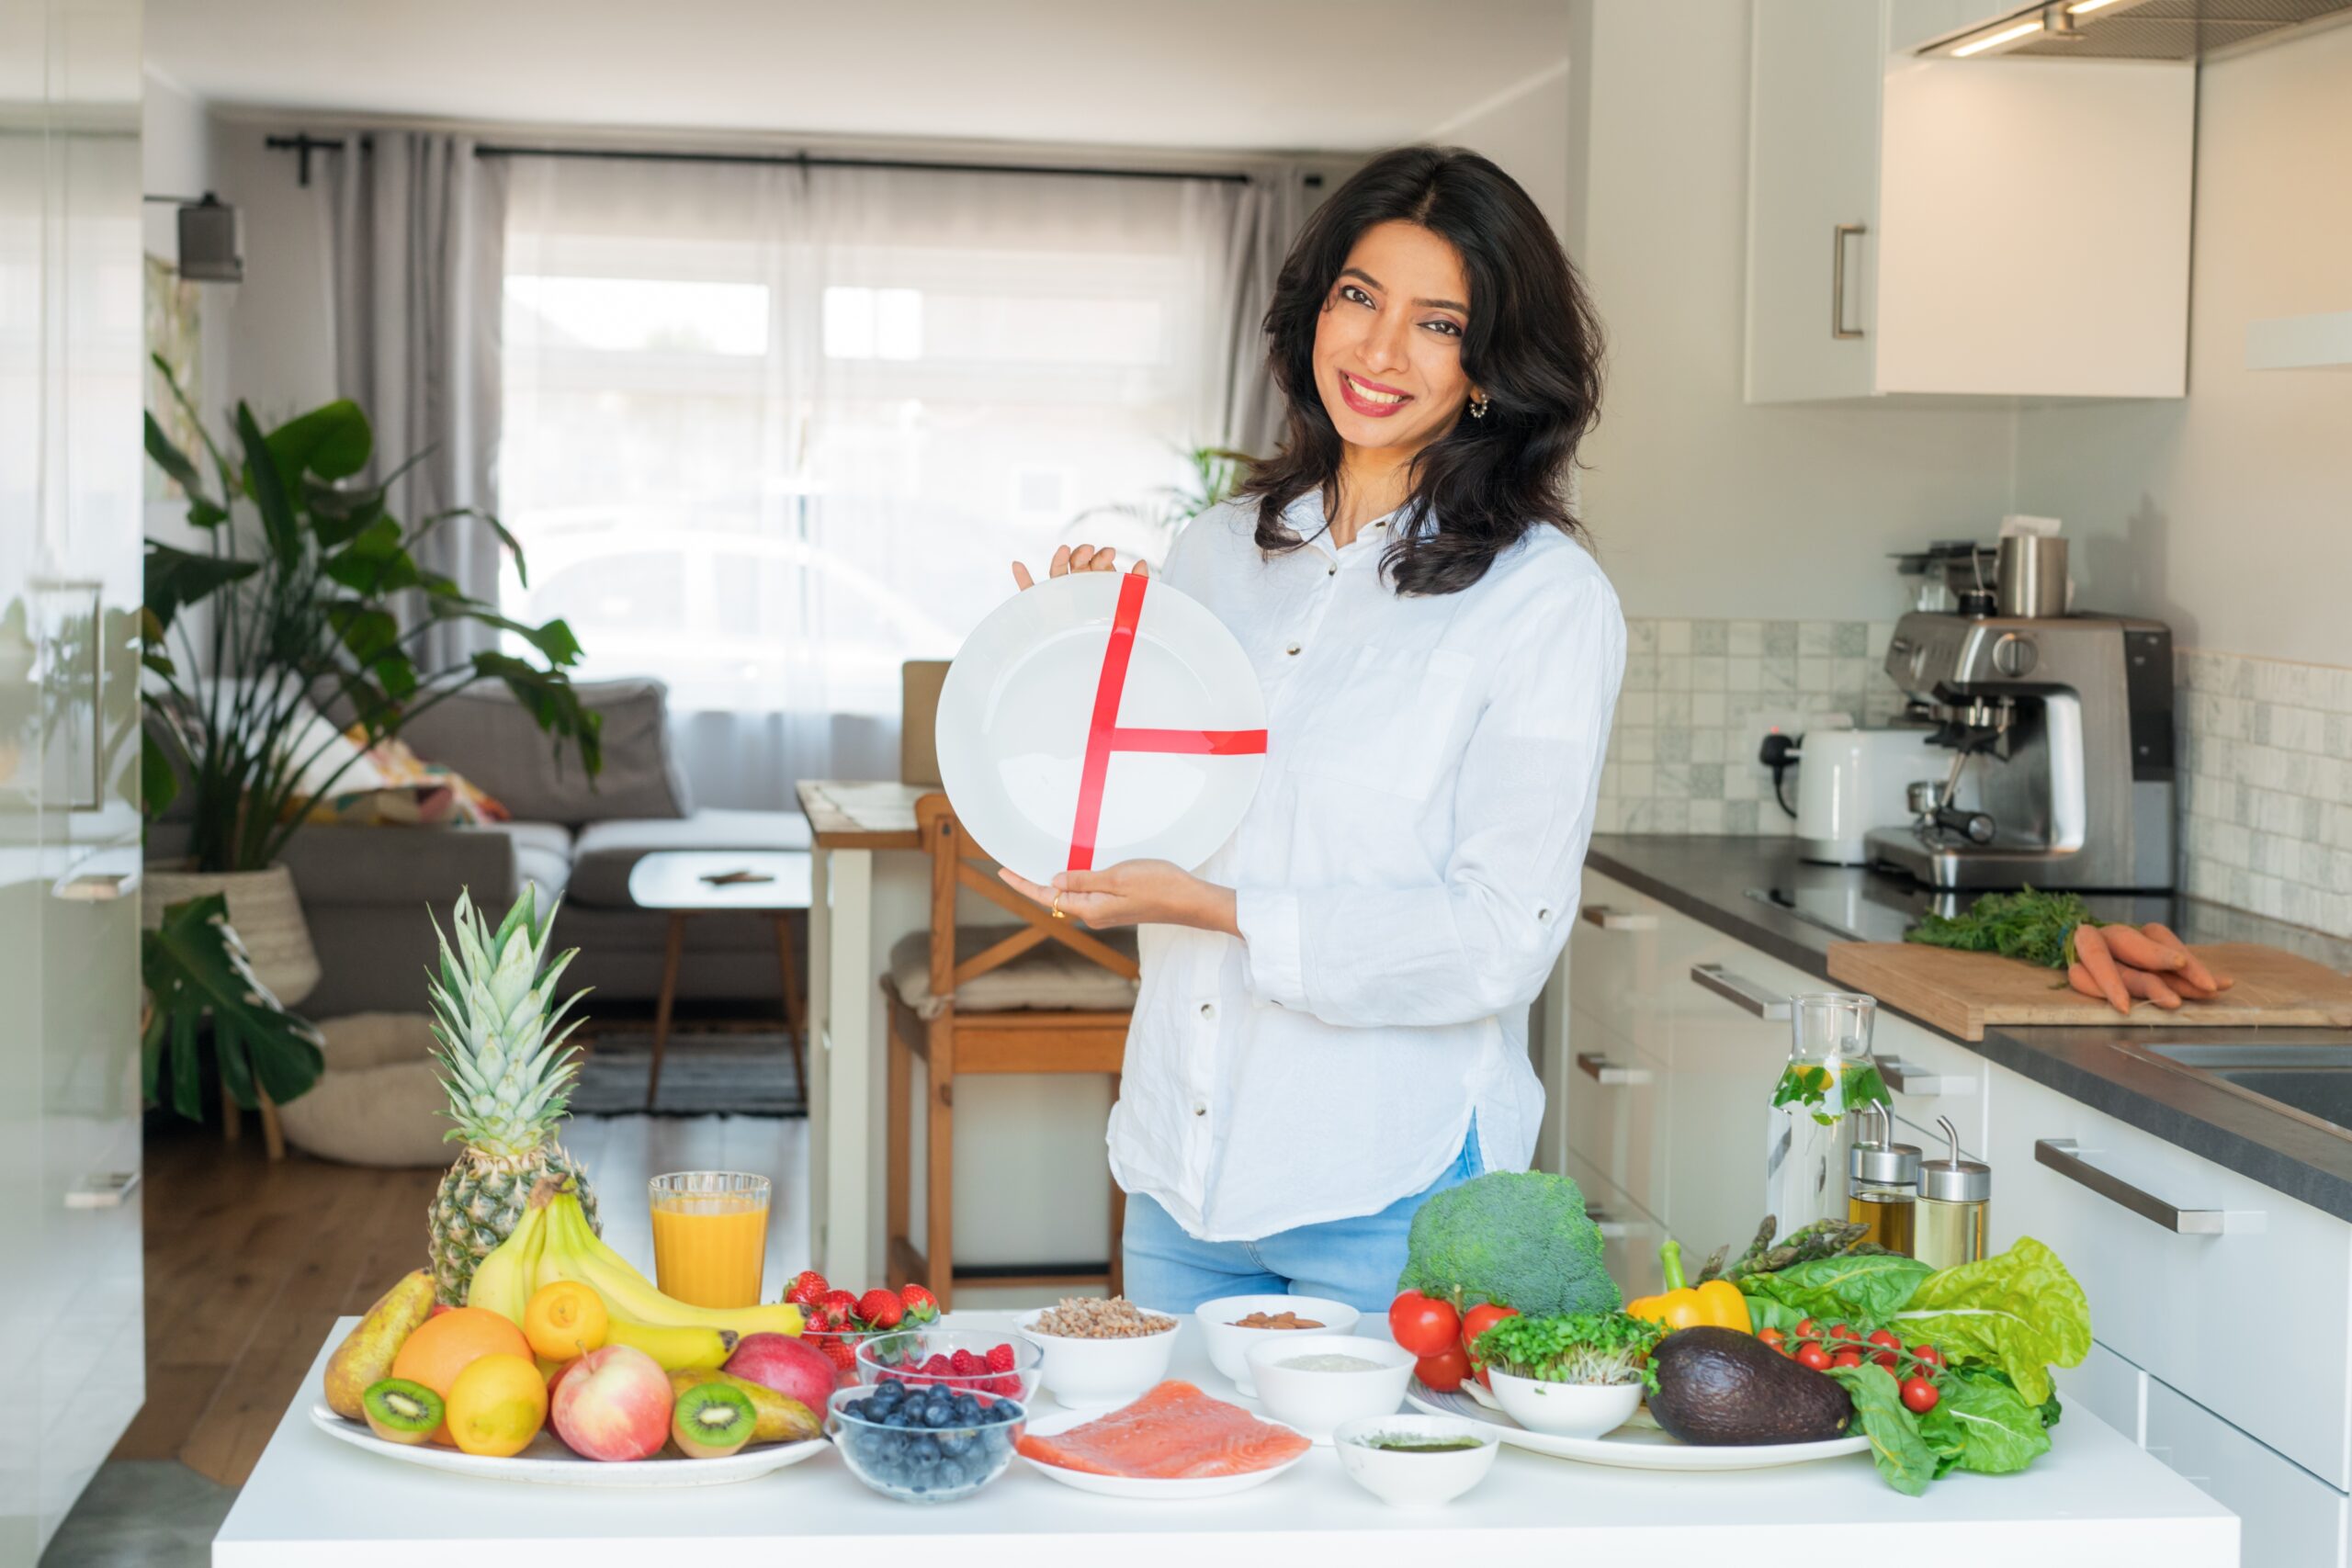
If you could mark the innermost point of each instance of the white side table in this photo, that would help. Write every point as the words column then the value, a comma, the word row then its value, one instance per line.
column 690, row 881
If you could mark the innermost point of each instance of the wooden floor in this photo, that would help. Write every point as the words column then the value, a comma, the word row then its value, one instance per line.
column 250, row 1263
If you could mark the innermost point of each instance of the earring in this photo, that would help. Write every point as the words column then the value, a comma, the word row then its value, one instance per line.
column 1478, row 408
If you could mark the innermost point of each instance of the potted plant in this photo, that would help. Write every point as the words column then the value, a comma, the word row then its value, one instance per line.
column 1574, row 1375
column 288, row 611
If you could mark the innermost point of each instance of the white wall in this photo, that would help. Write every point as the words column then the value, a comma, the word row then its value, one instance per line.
column 2230, row 513
column 1525, row 131
column 1702, row 505
column 282, row 328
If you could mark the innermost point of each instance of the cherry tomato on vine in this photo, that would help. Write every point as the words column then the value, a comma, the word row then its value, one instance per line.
column 1774, row 1337
column 1919, row 1395
column 1444, row 1371
column 1808, row 1329
column 1424, row 1325
column 1930, row 1354
column 1846, row 1331
column 1812, row 1356
column 1847, row 1358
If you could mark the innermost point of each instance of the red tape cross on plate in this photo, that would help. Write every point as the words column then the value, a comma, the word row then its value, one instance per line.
column 1104, row 735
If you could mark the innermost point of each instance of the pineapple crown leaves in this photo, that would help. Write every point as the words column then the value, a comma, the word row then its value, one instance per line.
column 504, row 1063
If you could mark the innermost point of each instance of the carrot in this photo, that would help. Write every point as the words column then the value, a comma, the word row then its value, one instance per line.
column 2080, row 979
column 2131, row 947
column 2140, row 983
column 2194, row 968
column 2092, row 950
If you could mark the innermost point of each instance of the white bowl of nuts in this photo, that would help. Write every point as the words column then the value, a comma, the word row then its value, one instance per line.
column 1232, row 1324
column 1098, row 1354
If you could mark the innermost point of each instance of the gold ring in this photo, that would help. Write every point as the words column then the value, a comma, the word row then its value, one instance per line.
column 1057, row 907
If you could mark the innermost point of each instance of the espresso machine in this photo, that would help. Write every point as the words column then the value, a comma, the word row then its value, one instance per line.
column 2050, row 762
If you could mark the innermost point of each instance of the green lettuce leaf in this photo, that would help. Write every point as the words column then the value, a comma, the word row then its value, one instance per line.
column 1980, row 1423
column 2019, row 1311
column 1901, row 1454
column 1870, row 1286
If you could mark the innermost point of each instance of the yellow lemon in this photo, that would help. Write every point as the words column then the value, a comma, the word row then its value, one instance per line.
column 565, row 1320
column 497, row 1405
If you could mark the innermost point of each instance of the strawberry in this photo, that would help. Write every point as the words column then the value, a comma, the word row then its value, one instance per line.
column 808, row 1288
column 840, row 1309
column 1000, row 1358
column 921, row 1304
column 839, row 1352
column 965, row 1364
column 880, row 1309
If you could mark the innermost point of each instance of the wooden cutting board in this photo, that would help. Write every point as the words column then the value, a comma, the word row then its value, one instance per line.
column 1964, row 993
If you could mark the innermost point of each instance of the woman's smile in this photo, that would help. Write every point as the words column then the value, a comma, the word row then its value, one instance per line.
column 1372, row 399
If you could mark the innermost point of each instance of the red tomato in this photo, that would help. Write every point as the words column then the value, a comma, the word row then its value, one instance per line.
column 1479, row 1319
column 1885, row 1338
column 1919, row 1395
column 1845, row 1331
column 1812, row 1356
column 1808, row 1329
column 1424, row 1325
column 1930, row 1354
column 1772, row 1336
column 1847, row 1358
column 1444, row 1371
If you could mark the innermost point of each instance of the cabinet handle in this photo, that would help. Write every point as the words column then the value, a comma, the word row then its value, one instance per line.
column 1903, row 1077
column 1601, row 1070
column 1611, row 1229
column 1741, row 992
column 106, row 1192
column 1839, row 234
column 2064, row 1156
column 1610, row 919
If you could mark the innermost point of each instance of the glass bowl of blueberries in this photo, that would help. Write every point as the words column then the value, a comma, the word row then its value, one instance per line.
column 925, row 1443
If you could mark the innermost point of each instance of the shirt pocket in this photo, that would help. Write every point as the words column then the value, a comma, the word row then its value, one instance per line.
column 1391, row 725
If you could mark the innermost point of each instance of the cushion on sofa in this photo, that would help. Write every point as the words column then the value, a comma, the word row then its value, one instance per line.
column 607, row 851
column 491, row 738
column 1047, row 976
column 542, row 855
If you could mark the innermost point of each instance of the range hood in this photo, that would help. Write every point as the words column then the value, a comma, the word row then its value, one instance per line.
column 2136, row 30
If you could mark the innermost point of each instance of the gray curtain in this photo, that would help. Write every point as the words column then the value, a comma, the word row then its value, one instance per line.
column 417, row 241
column 1272, row 207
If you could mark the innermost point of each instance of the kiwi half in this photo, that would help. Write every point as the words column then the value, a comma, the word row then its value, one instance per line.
column 400, row 1411
column 712, row 1420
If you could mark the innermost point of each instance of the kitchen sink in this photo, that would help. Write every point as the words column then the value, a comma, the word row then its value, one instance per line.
column 2311, row 1082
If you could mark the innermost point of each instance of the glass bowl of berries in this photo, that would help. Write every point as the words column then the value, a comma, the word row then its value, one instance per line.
column 959, row 1362
column 839, row 1322
column 924, row 1444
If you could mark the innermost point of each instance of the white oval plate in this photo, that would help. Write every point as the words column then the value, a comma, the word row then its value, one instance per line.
column 1018, row 704
column 547, row 1462
column 1178, row 1491
column 1634, row 1446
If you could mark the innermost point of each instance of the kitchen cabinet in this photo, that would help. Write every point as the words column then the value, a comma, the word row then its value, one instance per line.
column 2287, row 1516
column 1960, row 227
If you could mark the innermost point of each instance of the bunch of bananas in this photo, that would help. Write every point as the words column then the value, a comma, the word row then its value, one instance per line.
column 553, row 1243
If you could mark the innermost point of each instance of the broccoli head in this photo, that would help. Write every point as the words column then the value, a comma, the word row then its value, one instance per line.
column 1519, row 1238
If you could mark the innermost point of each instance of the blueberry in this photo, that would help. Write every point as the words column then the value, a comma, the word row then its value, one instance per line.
column 955, row 1445
column 966, row 1407
column 889, row 1392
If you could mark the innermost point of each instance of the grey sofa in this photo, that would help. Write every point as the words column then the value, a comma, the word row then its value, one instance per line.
column 366, row 891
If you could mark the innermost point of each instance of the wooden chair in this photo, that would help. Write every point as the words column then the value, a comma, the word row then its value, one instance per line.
column 1001, row 1035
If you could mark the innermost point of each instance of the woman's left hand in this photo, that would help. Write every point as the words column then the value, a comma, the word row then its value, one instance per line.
column 1136, row 892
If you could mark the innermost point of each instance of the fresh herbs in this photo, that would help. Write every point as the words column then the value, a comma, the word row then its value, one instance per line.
column 1573, row 1348
column 2026, row 924
column 1829, row 1088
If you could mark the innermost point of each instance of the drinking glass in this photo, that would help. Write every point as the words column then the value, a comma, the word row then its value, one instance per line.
column 710, row 1236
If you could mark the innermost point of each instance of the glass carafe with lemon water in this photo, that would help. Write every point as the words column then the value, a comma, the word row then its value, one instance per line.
column 1812, row 1125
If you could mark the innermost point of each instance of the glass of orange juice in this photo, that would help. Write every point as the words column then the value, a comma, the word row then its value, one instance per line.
column 710, row 1236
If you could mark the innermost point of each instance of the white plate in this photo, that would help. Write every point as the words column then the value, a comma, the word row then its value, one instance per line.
column 1634, row 1446
column 1017, row 708
column 1179, row 1491
column 547, row 1462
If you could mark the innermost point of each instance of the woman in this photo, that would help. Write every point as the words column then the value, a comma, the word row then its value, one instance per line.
column 1333, row 1017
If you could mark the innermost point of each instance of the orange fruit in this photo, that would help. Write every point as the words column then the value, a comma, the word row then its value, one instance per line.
column 443, row 1346
column 565, row 1320
column 497, row 1405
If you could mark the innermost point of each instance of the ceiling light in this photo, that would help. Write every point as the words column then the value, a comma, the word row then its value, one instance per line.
column 1995, row 40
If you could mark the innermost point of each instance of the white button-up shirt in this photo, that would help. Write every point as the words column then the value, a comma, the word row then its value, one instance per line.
column 1406, row 877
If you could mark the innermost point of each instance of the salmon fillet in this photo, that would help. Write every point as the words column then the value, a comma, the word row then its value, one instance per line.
column 1173, row 1433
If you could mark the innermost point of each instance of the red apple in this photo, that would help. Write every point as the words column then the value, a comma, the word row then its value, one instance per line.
column 613, row 1403
column 794, row 1370
column 556, row 1377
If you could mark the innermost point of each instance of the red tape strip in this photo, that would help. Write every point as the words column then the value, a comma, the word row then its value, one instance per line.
column 1104, row 735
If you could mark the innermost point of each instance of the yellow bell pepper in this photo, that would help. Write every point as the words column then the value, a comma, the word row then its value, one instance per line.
column 1716, row 1303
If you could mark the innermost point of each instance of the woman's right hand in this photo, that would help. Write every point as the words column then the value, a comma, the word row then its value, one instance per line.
column 1075, row 558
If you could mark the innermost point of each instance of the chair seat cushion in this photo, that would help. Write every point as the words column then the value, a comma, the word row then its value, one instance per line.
column 1049, row 976
column 608, row 851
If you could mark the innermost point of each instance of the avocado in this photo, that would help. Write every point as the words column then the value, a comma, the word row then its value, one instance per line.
column 1718, row 1388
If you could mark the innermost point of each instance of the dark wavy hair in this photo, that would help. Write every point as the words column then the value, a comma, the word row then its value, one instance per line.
column 1532, row 344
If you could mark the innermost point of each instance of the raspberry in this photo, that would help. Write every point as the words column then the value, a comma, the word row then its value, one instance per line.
column 1000, row 1358
column 965, row 1364
column 939, row 1366
column 1006, row 1385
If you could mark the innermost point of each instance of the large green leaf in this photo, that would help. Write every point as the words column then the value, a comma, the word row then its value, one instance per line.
column 375, row 561
column 267, row 483
column 172, row 460
column 178, row 578
column 551, row 699
column 159, row 781
column 2018, row 1311
column 332, row 441
column 194, row 964
column 340, row 515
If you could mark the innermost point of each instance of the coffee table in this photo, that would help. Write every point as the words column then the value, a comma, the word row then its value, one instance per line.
column 773, row 882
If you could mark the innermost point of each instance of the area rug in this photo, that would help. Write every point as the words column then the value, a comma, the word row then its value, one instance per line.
column 703, row 1074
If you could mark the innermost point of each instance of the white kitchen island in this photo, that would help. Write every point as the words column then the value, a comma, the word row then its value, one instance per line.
column 2095, row 1498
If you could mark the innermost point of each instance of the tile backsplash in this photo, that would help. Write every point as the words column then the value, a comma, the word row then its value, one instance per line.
column 2265, row 750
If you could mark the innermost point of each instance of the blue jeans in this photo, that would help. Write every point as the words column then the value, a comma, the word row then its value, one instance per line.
column 1352, row 1260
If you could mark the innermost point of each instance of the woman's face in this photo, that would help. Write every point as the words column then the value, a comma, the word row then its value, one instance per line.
column 1388, row 345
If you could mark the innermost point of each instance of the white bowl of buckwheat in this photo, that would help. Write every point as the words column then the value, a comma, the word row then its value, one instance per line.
column 1098, row 1354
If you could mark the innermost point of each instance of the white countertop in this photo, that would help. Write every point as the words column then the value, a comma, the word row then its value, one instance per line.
column 2095, row 1497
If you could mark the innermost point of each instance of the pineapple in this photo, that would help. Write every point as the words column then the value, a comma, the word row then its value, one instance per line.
column 508, row 1072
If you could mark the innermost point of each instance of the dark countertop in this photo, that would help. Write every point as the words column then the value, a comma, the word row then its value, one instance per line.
column 1710, row 878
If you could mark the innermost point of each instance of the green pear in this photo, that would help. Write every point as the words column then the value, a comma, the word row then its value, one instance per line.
column 365, row 1357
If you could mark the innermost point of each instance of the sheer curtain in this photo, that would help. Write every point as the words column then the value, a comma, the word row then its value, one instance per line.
column 772, row 431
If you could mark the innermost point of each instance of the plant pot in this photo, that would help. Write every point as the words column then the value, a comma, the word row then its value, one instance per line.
column 262, row 908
